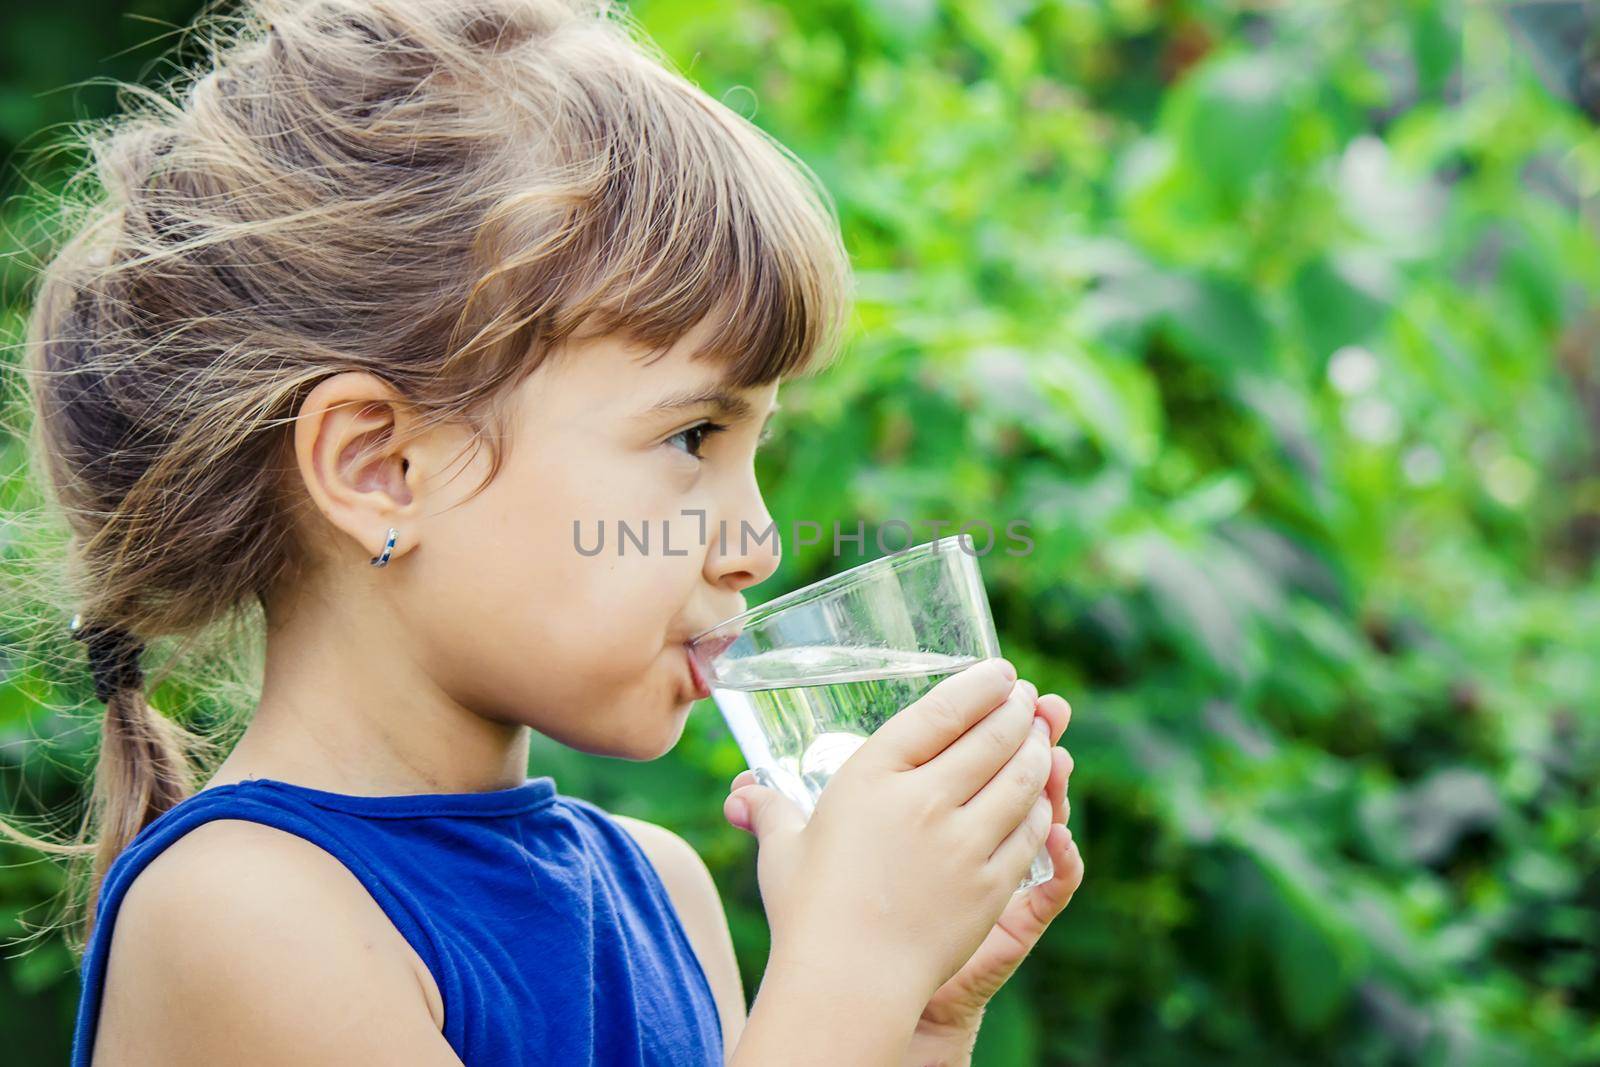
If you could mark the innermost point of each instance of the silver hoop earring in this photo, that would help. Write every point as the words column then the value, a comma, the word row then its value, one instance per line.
column 382, row 558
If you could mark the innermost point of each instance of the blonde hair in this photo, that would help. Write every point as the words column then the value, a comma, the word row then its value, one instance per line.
column 438, row 192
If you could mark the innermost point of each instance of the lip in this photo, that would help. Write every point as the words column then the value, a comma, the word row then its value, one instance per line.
column 697, row 679
column 707, row 649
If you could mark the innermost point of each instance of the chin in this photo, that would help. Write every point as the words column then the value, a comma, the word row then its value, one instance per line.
column 669, row 738
column 655, row 737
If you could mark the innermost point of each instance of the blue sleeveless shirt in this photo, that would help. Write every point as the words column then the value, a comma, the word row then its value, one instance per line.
column 549, row 933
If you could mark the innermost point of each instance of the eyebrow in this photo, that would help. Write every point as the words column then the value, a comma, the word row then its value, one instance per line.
column 727, row 404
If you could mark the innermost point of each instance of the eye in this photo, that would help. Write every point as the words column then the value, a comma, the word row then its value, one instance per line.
column 697, row 434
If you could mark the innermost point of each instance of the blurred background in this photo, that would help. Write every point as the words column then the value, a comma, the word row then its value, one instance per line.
column 1278, row 322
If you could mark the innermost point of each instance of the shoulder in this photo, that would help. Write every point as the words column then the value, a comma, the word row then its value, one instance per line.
column 244, row 944
column 694, row 895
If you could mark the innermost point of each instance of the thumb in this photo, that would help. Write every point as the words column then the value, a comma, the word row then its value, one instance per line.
column 763, row 811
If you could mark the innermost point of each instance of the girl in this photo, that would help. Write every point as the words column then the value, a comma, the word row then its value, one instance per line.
column 393, row 298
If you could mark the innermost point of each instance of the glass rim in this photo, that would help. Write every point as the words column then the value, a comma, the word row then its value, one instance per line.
column 837, row 582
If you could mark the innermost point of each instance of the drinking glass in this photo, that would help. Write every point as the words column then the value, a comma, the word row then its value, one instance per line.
column 804, row 679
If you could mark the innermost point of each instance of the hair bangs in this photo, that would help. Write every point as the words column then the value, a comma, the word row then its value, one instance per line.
column 705, row 219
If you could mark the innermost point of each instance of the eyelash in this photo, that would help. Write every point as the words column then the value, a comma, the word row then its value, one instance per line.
column 711, row 429
column 706, row 429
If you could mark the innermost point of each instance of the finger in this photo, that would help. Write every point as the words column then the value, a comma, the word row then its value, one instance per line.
column 1056, row 787
column 764, row 812
column 737, row 811
column 1057, row 712
column 1057, row 892
column 1011, row 857
column 1028, row 914
column 1048, row 899
column 922, row 730
column 1004, row 802
column 974, row 758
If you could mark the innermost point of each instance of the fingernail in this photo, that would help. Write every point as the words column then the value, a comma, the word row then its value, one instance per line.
column 1041, row 727
column 739, row 813
column 1008, row 669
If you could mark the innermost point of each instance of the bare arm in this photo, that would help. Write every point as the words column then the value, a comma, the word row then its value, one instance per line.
column 803, row 1013
column 810, row 1014
column 245, row 945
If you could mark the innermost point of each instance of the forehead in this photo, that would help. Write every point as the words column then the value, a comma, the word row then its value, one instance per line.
column 615, row 375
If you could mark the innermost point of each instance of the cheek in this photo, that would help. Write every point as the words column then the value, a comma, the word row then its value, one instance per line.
column 572, row 649
column 519, row 579
column 516, row 607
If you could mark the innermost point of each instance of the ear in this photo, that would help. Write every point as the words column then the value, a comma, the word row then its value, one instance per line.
column 357, row 452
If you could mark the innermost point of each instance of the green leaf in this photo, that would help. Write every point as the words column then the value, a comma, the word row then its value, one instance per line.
column 1342, row 299
column 1217, row 321
column 1113, row 401
column 1232, row 119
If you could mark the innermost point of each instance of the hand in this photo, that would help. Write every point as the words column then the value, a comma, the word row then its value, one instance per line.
column 960, row 774
column 949, row 1025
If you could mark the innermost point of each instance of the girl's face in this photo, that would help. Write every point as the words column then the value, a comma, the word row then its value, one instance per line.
column 521, row 619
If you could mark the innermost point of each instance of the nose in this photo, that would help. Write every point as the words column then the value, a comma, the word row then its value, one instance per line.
column 750, row 551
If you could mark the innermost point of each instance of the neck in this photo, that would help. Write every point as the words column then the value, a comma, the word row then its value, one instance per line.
column 345, row 707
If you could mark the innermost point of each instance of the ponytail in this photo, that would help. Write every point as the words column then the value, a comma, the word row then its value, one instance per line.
column 143, row 768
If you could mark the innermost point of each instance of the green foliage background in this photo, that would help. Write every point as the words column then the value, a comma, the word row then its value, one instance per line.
column 1278, row 324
